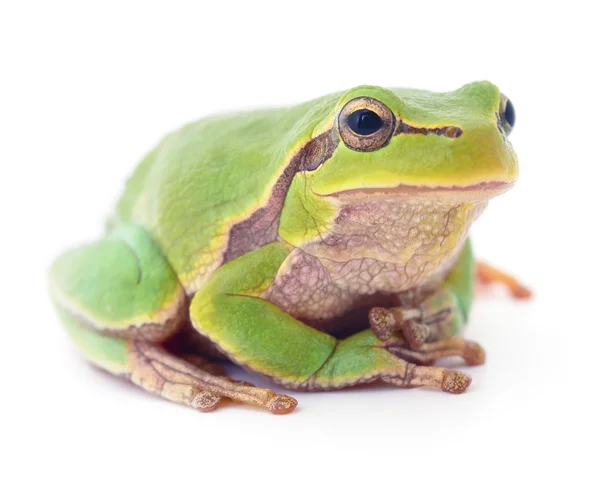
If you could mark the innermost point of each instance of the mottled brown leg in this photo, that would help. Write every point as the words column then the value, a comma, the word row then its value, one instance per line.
column 171, row 377
column 486, row 274
column 471, row 352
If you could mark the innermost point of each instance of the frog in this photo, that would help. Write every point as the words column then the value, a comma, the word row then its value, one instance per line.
column 321, row 246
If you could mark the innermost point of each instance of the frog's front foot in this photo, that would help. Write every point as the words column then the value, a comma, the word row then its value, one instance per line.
column 454, row 382
column 417, row 335
column 387, row 322
column 471, row 352
column 196, row 384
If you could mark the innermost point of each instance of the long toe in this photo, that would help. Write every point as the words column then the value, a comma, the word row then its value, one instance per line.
column 455, row 382
column 206, row 401
column 282, row 404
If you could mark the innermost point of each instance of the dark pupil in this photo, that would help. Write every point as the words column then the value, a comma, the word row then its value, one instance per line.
column 509, row 113
column 364, row 122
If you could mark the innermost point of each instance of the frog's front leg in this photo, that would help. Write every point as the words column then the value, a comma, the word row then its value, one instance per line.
column 119, row 299
column 430, row 330
column 427, row 332
column 259, row 335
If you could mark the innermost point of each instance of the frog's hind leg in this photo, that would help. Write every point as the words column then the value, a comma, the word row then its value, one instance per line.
column 196, row 383
column 120, row 300
column 486, row 274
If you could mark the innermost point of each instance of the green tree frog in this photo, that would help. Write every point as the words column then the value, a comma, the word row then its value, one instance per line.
column 322, row 246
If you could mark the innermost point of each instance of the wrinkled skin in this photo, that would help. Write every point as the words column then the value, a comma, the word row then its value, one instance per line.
column 323, row 246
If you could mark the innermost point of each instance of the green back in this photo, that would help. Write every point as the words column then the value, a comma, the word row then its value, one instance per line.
column 210, row 174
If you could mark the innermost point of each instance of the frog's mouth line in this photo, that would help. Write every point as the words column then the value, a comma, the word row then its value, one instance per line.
column 476, row 192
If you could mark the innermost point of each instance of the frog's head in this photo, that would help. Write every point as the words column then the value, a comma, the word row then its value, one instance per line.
column 404, row 139
column 374, row 145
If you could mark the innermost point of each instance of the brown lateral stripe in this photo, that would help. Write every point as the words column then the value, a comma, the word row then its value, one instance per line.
column 448, row 131
column 261, row 227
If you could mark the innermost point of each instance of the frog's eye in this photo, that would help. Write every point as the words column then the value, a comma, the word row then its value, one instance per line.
column 507, row 115
column 365, row 124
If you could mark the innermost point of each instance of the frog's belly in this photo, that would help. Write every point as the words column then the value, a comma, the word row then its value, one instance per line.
column 327, row 294
column 383, row 252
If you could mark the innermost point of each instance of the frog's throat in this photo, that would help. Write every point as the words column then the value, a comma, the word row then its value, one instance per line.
column 396, row 229
column 376, row 246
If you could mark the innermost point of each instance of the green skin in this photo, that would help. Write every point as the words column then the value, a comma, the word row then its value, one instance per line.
column 214, row 224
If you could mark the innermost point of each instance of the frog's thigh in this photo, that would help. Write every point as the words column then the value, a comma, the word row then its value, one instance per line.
column 259, row 335
column 121, row 285
column 117, row 298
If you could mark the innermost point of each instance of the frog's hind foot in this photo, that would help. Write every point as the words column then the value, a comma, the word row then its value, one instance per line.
column 486, row 275
column 196, row 384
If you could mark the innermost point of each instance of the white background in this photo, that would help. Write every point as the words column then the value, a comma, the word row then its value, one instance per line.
column 86, row 91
